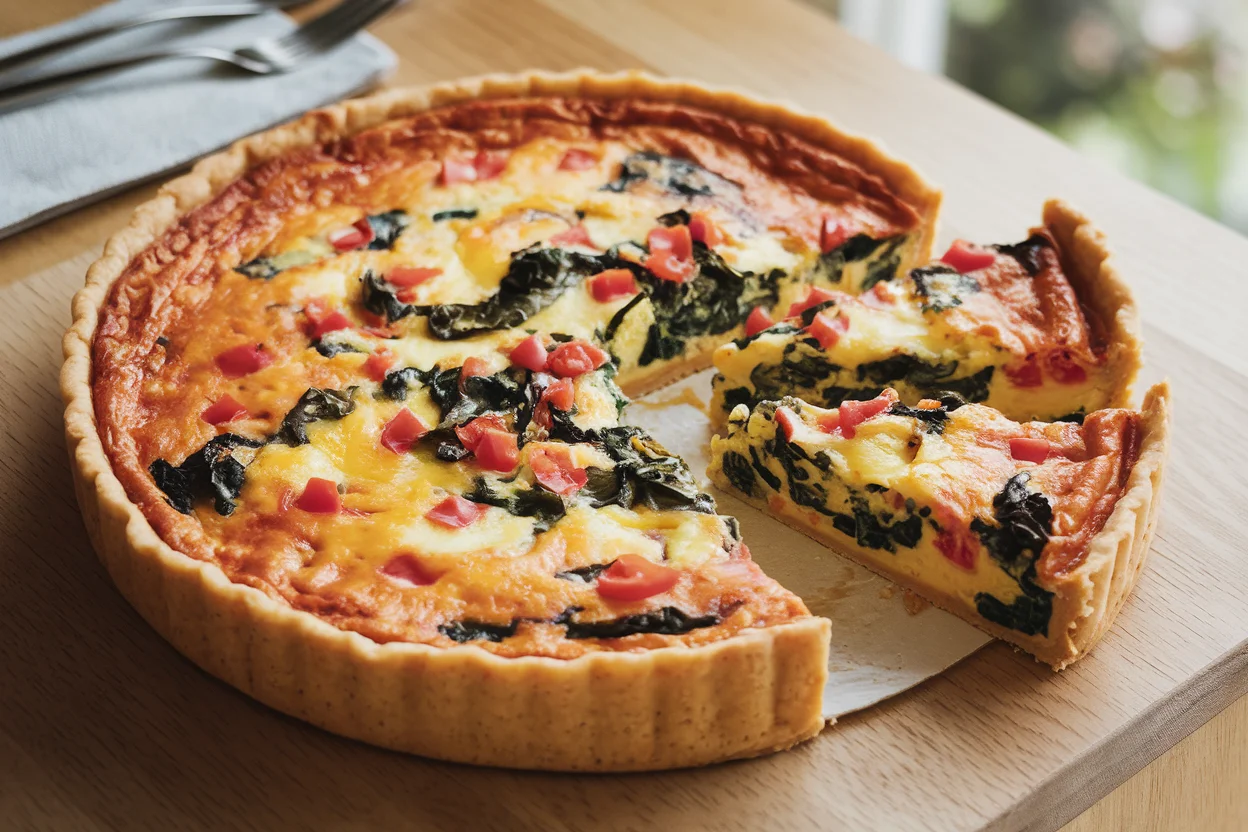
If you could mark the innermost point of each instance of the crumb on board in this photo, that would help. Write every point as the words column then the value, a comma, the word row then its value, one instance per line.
column 887, row 592
column 913, row 603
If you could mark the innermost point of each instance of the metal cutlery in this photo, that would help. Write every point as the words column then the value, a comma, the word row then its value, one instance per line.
column 142, row 18
column 264, row 57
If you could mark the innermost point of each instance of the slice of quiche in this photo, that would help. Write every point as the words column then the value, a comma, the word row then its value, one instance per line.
column 1041, row 329
column 1034, row 532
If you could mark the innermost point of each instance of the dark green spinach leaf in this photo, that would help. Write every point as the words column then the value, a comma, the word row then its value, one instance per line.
column 455, row 214
column 467, row 630
column 212, row 471
column 584, row 574
column 386, row 229
column 666, row 621
column 714, row 301
column 315, row 404
column 668, row 173
column 942, row 287
column 545, row 507
column 1028, row 252
column 645, row 472
column 738, row 472
column 930, row 379
column 1024, row 522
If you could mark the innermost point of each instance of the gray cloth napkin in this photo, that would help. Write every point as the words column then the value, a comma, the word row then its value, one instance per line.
column 147, row 121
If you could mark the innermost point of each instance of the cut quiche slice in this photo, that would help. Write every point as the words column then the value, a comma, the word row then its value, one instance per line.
column 1034, row 532
column 1041, row 329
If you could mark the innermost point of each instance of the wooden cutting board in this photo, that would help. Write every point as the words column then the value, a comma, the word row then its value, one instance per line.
column 102, row 725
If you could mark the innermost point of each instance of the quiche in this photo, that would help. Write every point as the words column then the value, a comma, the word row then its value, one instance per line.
column 1040, row 329
column 345, row 407
column 1034, row 532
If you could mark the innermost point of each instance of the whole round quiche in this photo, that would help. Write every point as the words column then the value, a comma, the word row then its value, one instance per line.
column 345, row 409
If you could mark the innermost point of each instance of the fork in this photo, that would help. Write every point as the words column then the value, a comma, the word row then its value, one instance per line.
column 156, row 15
column 268, row 56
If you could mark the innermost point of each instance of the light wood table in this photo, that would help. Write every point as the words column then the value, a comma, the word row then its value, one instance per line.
column 102, row 725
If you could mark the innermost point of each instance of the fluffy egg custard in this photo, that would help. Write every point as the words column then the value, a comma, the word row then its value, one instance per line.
column 1008, row 326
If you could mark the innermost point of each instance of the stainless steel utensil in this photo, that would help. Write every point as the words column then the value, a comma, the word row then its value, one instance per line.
column 264, row 57
column 142, row 18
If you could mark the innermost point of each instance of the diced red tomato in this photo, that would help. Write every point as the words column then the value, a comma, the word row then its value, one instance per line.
column 958, row 546
column 758, row 320
column 378, row 364
column 814, row 297
column 473, row 366
column 828, row 329
column 788, row 421
column 243, row 360
column 405, row 567
column 489, row 163
column 1025, row 374
column 577, row 159
column 576, row 358
column 853, row 413
column 967, row 257
column 407, row 277
column 541, row 415
column 612, row 284
column 674, row 240
column 402, row 432
column 497, row 451
column 666, row 267
column 880, row 296
column 560, row 394
column 224, row 409
column 671, row 253
column 470, row 434
column 634, row 578
column 829, row 422
column 358, row 235
column 455, row 512
column 378, row 331
column 1064, row 369
column 332, row 322
column 457, row 170
column 577, row 235
column 833, row 234
column 316, row 308
column 530, row 354
column 703, row 229
column 554, row 469
column 1030, row 449
column 320, row 496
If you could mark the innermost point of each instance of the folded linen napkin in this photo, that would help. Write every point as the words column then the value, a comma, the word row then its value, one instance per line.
column 142, row 123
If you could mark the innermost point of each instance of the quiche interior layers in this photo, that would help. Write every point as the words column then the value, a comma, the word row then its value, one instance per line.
column 984, row 513
column 378, row 379
column 999, row 325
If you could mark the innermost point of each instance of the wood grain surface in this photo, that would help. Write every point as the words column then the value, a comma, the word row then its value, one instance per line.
column 102, row 725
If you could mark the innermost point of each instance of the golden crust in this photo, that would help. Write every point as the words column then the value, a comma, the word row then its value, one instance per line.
column 1101, row 289
column 1087, row 599
column 753, row 693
